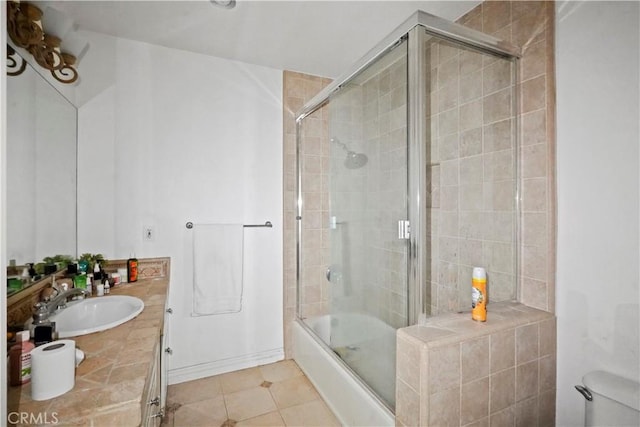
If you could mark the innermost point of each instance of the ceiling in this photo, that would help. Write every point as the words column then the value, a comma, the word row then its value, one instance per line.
column 317, row 37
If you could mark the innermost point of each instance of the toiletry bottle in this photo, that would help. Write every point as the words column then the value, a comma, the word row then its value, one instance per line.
column 479, row 294
column 132, row 269
column 89, row 284
column 97, row 274
column 107, row 288
column 20, row 359
column 32, row 270
column 99, row 289
column 26, row 277
column 83, row 266
column 80, row 281
column 42, row 334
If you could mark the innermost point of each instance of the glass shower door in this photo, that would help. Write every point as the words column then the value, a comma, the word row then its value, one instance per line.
column 368, row 248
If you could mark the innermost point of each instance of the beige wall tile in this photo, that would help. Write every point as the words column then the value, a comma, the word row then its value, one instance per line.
column 503, row 347
column 548, row 337
column 474, row 361
column 474, row 401
column 534, row 293
column 444, row 368
column 471, row 115
column 534, row 229
column 533, row 128
column 496, row 15
column 503, row 389
column 504, row 418
column 547, row 409
column 497, row 106
column 526, row 380
column 444, row 408
column 497, row 76
column 534, row 262
column 484, row 422
column 527, row 412
column 533, row 94
column 471, row 142
column 408, row 363
column 498, row 136
column 534, row 195
column 547, row 373
column 407, row 404
column 534, row 161
column 526, row 343
column 534, row 60
column 470, row 84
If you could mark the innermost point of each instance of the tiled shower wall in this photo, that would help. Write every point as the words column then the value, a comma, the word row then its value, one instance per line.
column 369, row 116
column 367, row 259
column 528, row 25
column 472, row 175
column 298, row 89
column 453, row 371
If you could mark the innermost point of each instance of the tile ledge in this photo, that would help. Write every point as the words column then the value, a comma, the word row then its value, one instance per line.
column 449, row 328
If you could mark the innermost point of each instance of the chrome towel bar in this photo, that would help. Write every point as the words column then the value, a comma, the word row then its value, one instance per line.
column 266, row 224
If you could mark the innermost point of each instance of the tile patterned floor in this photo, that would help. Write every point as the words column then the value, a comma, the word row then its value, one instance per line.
column 272, row 395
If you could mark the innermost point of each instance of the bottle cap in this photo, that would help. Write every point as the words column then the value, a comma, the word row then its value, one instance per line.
column 479, row 273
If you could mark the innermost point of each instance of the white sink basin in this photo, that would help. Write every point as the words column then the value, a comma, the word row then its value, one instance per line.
column 95, row 314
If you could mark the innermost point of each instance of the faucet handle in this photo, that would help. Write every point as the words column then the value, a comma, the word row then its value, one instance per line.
column 40, row 314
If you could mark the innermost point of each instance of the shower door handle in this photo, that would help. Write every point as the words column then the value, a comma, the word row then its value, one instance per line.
column 333, row 274
column 404, row 229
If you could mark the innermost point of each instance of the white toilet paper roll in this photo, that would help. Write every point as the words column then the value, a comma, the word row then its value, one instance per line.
column 53, row 369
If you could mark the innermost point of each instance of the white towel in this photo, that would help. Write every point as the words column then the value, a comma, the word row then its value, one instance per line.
column 217, row 269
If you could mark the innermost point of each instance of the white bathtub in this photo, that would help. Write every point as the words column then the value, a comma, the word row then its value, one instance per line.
column 350, row 400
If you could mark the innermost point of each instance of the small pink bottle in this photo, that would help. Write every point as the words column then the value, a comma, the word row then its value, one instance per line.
column 20, row 359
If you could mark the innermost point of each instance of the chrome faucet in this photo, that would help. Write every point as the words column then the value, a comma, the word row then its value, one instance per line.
column 44, row 309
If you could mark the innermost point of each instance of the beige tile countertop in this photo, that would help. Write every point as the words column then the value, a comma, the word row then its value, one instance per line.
column 109, row 383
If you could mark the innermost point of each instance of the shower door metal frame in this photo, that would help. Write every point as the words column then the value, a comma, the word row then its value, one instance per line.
column 415, row 28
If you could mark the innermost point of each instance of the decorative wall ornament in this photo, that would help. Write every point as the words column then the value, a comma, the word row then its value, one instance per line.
column 25, row 28
column 13, row 59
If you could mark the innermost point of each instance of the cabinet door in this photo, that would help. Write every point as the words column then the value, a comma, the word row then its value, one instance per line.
column 165, row 352
column 151, row 408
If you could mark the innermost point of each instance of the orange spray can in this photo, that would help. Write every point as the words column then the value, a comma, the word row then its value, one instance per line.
column 479, row 294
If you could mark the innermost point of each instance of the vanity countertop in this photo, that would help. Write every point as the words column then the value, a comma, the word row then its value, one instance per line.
column 109, row 383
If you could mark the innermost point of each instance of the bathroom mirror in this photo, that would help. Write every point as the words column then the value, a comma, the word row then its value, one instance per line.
column 41, row 170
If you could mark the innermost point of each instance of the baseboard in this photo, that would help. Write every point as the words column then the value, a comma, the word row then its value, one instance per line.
column 203, row 370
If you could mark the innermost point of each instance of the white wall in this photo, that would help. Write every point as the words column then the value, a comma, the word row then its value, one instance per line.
column 597, row 54
column 185, row 137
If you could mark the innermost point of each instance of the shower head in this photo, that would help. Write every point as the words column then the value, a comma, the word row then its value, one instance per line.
column 354, row 160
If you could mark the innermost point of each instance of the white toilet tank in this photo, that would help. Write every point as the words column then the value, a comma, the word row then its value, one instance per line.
column 611, row 400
